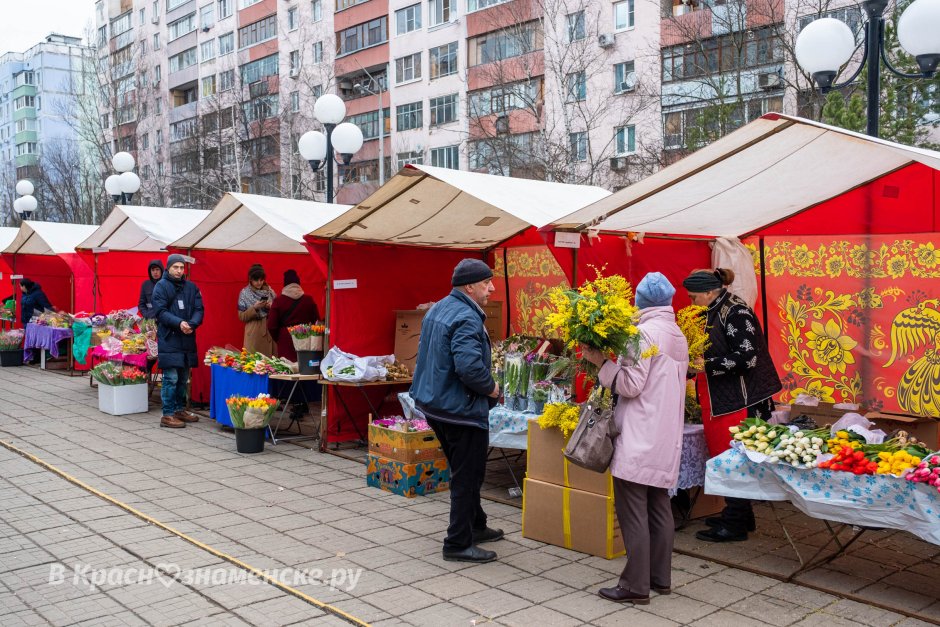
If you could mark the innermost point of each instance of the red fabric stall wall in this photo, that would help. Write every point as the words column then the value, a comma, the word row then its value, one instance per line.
column 84, row 282
column 220, row 276
column 118, row 276
column 51, row 272
column 362, row 320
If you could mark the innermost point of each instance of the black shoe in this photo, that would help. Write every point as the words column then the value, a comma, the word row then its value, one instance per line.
column 471, row 554
column 718, row 521
column 622, row 595
column 721, row 534
column 487, row 535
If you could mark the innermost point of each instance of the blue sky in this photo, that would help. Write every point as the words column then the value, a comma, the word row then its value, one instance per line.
column 26, row 22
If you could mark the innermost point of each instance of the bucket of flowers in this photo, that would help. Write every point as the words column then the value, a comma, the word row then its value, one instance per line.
column 308, row 342
column 250, row 417
column 122, row 389
column 11, row 348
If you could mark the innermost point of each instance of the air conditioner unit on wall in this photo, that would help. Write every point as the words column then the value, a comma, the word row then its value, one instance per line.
column 605, row 40
column 769, row 80
column 618, row 164
column 155, row 19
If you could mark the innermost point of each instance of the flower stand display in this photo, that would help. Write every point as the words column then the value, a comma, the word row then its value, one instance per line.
column 250, row 419
column 405, row 458
column 11, row 348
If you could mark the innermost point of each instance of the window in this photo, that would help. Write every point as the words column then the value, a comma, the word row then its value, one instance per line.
column 295, row 101
column 207, row 16
column 409, row 116
column 623, row 15
column 261, row 108
column 625, row 138
column 294, row 61
column 226, row 43
column 446, row 157
column 143, row 46
column 443, row 60
column 345, row 4
column 317, row 91
column 142, row 16
column 225, row 8
column 408, row 158
column 172, row 4
column 26, row 124
column 183, row 60
column 408, row 68
column 576, row 26
column 318, row 52
column 182, row 129
column 443, row 109
column 368, row 123
column 156, row 41
column 158, row 106
column 259, row 31
column 576, row 86
column 440, row 11
column 24, row 101
column 121, row 24
column 408, row 19
column 577, row 143
column 262, row 68
column 157, row 74
column 155, row 8
column 476, row 5
column 505, row 98
column 103, row 36
column 28, row 148
column 208, row 86
column 244, row 4
column 762, row 48
column 362, row 36
column 292, row 18
column 505, row 44
column 317, row 8
column 186, row 95
column 624, row 77
column 226, row 80
column 207, row 50
column 145, row 141
column 181, row 27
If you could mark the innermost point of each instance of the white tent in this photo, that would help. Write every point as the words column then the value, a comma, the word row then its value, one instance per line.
column 143, row 229
column 250, row 223
column 438, row 207
column 7, row 235
column 766, row 171
column 48, row 238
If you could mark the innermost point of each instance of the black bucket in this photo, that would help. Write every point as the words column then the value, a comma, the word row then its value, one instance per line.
column 11, row 358
column 308, row 362
column 250, row 440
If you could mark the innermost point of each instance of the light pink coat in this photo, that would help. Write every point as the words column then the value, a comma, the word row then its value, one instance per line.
column 652, row 403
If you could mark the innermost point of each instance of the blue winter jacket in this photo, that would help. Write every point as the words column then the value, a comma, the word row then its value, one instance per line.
column 452, row 378
column 173, row 302
column 32, row 301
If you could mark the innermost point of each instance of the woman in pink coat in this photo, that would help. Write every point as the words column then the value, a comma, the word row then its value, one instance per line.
column 649, row 412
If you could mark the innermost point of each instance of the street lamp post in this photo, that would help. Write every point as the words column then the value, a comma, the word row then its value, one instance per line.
column 26, row 204
column 122, row 186
column 827, row 44
column 317, row 148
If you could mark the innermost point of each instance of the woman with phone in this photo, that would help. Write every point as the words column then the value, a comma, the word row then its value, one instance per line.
column 254, row 302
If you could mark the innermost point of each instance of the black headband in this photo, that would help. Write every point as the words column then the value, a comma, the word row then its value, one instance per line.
column 703, row 282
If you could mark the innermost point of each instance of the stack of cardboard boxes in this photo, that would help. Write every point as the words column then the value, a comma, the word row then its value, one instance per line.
column 408, row 331
column 565, row 505
column 409, row 464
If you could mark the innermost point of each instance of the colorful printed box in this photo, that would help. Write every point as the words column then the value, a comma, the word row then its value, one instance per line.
column 417, row 446
column 408, row 480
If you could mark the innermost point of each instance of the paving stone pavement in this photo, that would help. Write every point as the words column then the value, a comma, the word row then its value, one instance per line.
column 66, row 555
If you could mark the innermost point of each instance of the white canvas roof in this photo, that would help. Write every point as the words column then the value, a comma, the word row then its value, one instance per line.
column 7, row 235
column 246, row 222
column 148, row 229
column 426, row 206
column 48, row 238
column 764, row 172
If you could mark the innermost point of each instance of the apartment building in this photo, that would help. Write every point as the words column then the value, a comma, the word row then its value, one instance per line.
column 38, row 89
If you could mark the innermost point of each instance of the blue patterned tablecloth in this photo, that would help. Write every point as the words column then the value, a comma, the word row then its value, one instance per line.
column 864, row 500
column 43, row 337
column 228, row 382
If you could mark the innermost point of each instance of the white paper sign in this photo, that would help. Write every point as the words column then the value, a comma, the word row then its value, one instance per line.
column 16, row 276
column 567, row 240
column 102, row 249
column 345, row 284
column 188, row 259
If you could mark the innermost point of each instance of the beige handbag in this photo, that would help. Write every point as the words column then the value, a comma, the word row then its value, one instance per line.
column 591, row 445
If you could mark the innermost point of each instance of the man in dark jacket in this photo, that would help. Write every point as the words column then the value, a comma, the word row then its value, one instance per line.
column 34, row 300
column 145, row 302
column 454, row 388
column 178, row 310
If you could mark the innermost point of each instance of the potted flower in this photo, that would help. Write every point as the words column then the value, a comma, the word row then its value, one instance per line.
column 11, row 348
column 308, row 342
column 540, row 392
column 121, row 389
column 250, row 417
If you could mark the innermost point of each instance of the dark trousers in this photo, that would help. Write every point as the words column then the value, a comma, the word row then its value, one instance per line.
column 465, row 449
column 645, row 516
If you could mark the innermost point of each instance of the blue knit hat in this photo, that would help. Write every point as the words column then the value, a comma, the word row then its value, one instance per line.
column 654, row 290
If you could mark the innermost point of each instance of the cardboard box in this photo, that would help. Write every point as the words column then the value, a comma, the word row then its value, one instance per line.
column 409, row 480
column 547, row 463
column 572, row 519
column 494, row 323
column 823, row 414
column 413, row 447
column 925, row 429
column 407, row 335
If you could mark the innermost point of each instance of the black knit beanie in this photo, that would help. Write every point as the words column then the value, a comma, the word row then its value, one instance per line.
column 470, row 271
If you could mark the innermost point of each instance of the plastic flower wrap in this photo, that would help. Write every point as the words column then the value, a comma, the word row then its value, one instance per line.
column 398, row 423
column 692, row 322
column 116, row 373
column 600, row 314
column 307, row 337
column 251, row 412
column 122, row 319
column 11, row 340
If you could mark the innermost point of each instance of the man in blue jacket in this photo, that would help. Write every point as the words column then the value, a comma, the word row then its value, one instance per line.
column 177, row 306
column 454, row 388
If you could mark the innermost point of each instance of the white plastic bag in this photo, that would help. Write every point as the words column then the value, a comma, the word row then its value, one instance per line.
column 338, row 365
